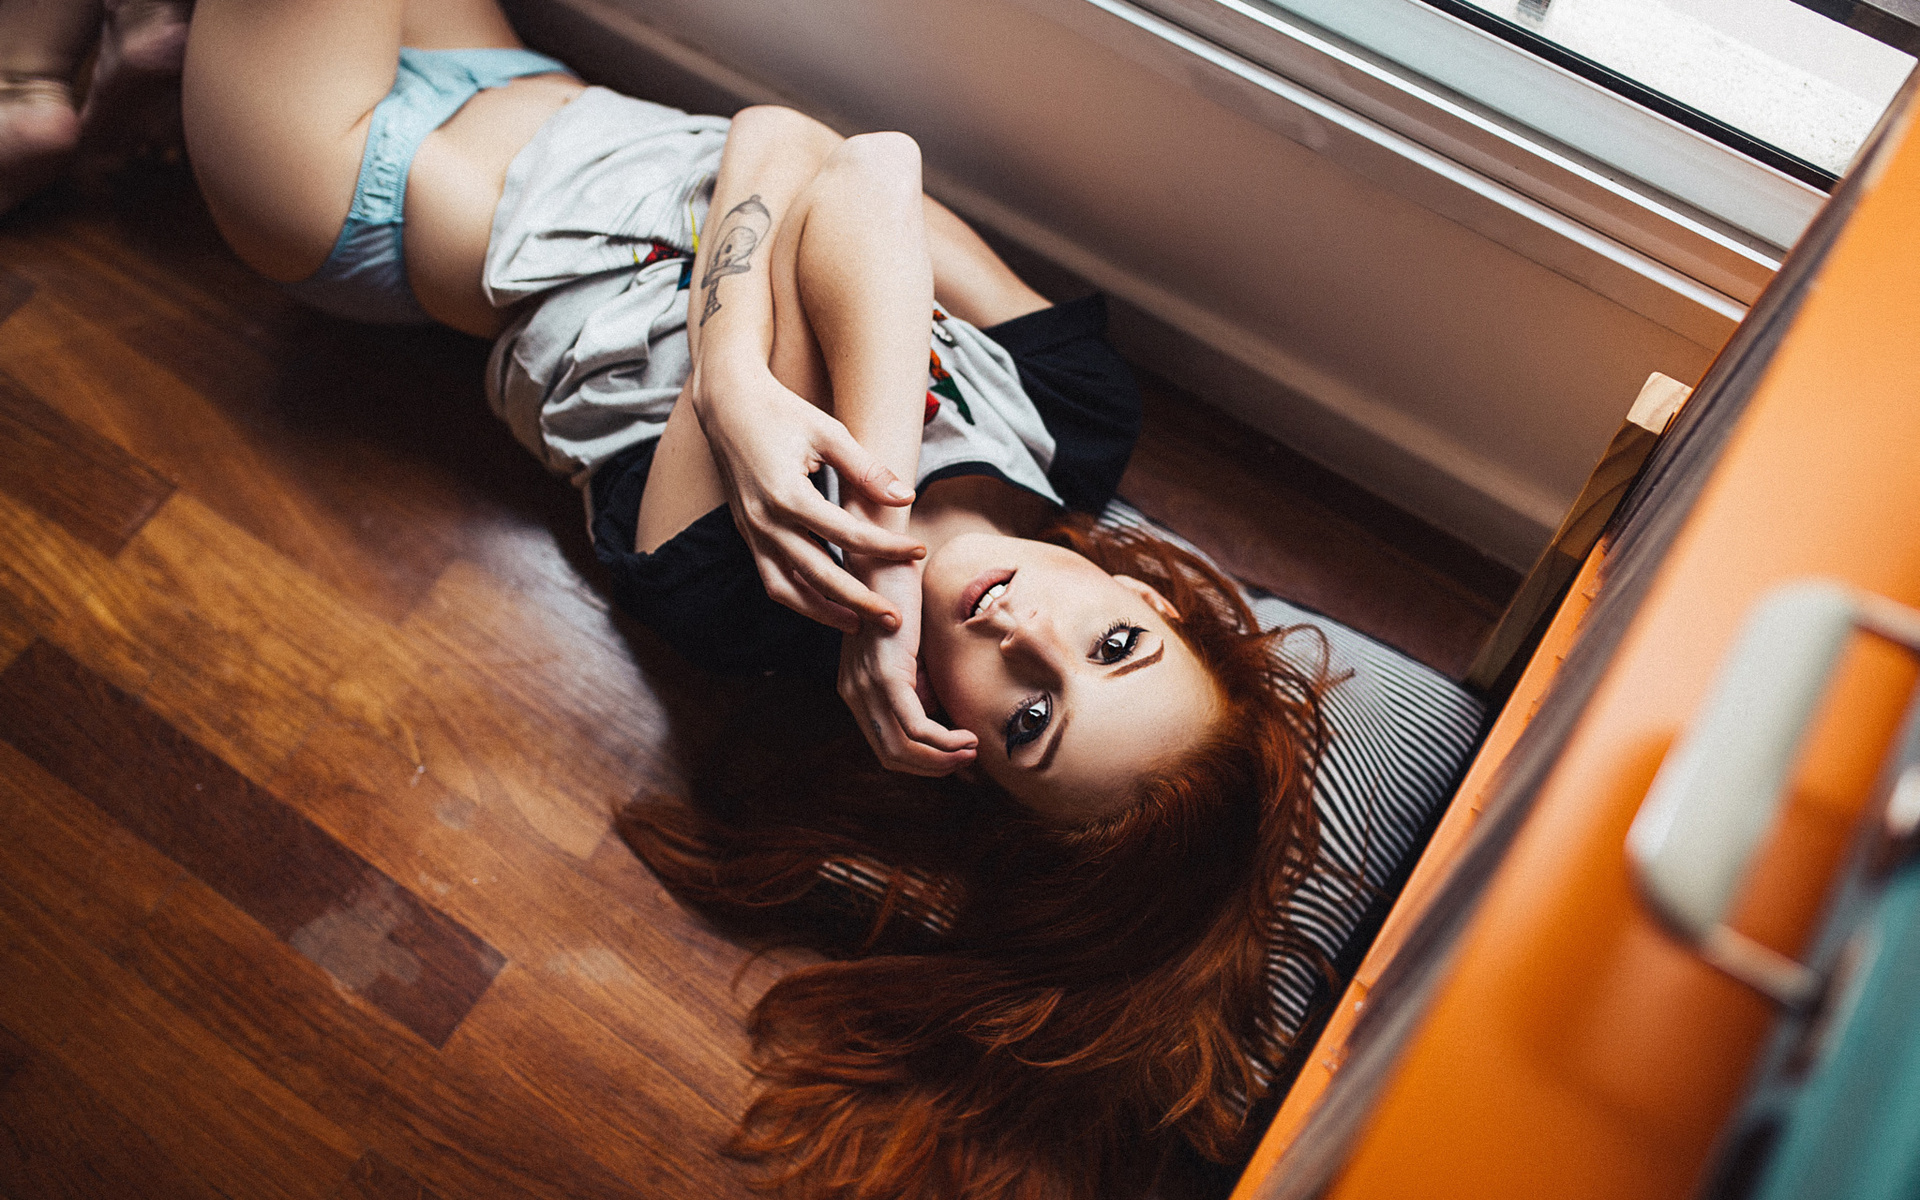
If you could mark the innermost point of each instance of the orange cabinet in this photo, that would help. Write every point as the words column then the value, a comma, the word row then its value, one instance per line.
column 1524, row 1027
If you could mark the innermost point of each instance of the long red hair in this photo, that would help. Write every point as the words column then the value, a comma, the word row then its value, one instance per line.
column 1016, row 1010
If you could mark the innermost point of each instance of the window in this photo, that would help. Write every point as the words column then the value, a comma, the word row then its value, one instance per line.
column 1690, row 141
column 1793, row 88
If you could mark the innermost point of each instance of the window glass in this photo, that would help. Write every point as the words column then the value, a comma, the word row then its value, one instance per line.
column 1771, row 69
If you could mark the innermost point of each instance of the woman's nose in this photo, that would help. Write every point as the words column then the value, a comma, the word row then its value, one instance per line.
column 1030, row 633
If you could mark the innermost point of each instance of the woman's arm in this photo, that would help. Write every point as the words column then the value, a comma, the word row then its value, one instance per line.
column 835, row 310
column 853, row 277
column 758, row 403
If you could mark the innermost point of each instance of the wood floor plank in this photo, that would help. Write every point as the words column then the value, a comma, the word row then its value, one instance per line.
column 628, row 957
column 502, row 1121
column 45, row 573
column 159, row 229
column 373, row 936
column 375, row 1178
column 295, row 426
column 55, row 839
column 98, row 492
column 662, row 1141
column 385, row 554
column 14, row 1057
column 59, row 1139
column 481, row 1132
column 16, row 629
column 218, row 633
column 1276, row 535
column 204, row 1106
column 520, row 691
column 104, row 880
column 15, row 290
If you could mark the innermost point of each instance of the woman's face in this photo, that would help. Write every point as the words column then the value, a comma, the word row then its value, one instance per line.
column 1072, row 679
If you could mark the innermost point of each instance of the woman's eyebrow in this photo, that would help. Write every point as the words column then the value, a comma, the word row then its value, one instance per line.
column 1137, row 663
column 1060, row 726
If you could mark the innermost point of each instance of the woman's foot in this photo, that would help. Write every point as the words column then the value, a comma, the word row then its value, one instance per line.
column 39, row 131
column 133, row 99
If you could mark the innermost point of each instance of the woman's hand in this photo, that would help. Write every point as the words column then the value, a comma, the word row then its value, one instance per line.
column 878, row 670
column 766, row 441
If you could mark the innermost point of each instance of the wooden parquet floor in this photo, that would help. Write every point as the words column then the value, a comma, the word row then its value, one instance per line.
column 312, row 722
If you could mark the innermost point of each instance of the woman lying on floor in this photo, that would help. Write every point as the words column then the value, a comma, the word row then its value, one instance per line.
column 1057, row 935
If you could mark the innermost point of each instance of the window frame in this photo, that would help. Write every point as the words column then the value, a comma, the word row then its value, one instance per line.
column 1658, row 250
column 1632, row 90
column 1423, row 63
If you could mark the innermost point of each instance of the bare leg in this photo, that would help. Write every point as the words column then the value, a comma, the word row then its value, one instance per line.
column 42, row 44
column 455, row 25
column 277, row 96
column 969, row 280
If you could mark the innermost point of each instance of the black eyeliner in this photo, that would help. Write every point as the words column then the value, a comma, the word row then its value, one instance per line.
column 1015, row 738
column 1133, row 642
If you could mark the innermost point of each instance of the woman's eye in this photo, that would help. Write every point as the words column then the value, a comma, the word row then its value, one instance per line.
column 1029, row 721
column 1116, row 643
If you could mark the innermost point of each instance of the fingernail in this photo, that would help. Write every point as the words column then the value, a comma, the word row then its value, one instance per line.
column 899, row 491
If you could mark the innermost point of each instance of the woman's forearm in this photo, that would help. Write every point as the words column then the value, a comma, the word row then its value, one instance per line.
column 852, row 213
column 771, row 155
column 813, row 279
column 862, row 266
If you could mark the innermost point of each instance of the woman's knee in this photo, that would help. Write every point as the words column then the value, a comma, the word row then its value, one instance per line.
column 883, row 167
column 782, row 126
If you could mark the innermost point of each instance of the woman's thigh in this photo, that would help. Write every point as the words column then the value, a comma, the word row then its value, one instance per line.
column 277, row 96
column 456, row 25
column 969, row 280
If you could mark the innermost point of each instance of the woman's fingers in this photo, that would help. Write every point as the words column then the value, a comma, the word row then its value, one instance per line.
column 855, row 535
column 791, row 588
column 877, row 674
column 880, row 723
column 897, row 752
column 857, row 468
column 809, row 604
column 780, row 530
column 924, row 730
column 804, row 577
column 917, row 744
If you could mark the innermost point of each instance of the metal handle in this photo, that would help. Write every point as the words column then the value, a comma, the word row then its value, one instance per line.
column 1720, row 788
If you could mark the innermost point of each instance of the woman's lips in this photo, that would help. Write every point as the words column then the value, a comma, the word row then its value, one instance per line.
column 970, row 595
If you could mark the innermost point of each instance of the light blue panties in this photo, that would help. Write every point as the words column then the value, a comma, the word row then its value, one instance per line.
column 365, row 278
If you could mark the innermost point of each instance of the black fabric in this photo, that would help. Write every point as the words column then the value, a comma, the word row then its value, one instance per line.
column 1083, row 391
column 701, row 592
